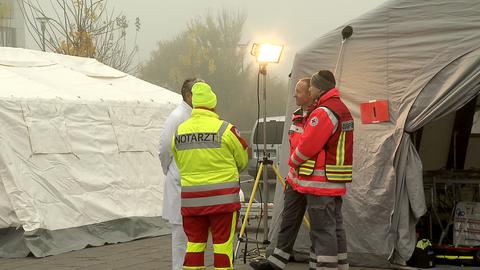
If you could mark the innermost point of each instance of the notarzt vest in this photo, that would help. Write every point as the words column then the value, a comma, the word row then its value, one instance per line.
column 209, row 153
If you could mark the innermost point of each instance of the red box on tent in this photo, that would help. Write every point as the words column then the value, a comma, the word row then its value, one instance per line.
column 374, row 111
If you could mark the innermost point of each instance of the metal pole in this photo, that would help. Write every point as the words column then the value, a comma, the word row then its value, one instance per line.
column 42, row 23
column 338, row 58
column 263, row 71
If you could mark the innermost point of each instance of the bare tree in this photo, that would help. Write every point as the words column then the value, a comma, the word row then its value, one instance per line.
column 7, row 33
column 81, row 28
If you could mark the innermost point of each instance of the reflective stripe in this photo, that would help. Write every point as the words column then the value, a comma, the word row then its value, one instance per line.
column 318, row 172
column 293, row 177
column 313, row 256
column 342, row 256
column 341, row 173
column 295, row 161
column 316, row 184
column 194, row 267
column 208, row 201
column 306, row 168
column 300, row 155
column 339, row 177
column 341, row 149
column 281, row 253
column 312, row 265
column 305, row 171
column 277, row 262
column 332, row 117
column 338, row 168
column 197, row 140
column 210, row 187
column 222, row 129
column 196, row 247
column 309, row 162
column 296, row 129
column 454, row 257
column 200, row 140
column 227, row 247
column 198, row 145
column 327, row 259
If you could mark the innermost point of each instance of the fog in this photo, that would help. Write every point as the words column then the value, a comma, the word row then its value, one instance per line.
column 293, row 23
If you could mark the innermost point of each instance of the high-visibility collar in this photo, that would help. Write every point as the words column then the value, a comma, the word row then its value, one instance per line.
column 204, row 112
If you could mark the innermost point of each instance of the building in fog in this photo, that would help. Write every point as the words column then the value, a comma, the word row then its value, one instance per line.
column 12, row 26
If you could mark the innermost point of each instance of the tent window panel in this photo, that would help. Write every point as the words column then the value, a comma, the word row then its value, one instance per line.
column 46, row 128
column 90, row 129
column 137, row 129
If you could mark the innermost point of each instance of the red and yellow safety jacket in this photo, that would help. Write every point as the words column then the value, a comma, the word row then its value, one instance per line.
column 209, row 154
column 324, row 155
column 299, row 118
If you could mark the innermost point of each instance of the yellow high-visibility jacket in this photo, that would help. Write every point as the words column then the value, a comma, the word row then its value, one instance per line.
column 209, row 153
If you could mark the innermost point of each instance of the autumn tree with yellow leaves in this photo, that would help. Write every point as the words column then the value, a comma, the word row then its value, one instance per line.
column 83, row 28
column 211, row 47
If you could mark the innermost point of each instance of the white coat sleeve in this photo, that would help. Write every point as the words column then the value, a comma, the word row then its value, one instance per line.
column 168, row 132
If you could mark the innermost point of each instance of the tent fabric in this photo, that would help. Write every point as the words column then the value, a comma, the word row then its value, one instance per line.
column 78, row 153
column 422, row 57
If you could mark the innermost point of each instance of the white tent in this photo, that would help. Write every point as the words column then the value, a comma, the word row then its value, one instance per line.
column 424, row 58
column 78, row 154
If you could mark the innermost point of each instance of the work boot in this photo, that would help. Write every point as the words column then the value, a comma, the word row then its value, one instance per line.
column 262, row 264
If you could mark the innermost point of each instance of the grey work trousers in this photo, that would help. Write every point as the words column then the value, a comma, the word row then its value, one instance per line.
column 329, row 245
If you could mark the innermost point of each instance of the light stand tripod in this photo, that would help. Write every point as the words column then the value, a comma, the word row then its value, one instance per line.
column 263, row 170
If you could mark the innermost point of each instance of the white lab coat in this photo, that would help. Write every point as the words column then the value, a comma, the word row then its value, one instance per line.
column 171, row 191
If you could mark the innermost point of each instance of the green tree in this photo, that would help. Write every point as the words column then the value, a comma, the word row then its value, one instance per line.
column 210, row 48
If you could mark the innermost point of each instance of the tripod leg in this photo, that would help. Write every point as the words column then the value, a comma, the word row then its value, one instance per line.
column 250, row 202
column 280, row 178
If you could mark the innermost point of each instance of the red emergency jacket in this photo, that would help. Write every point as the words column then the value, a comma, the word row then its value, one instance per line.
column 299, row 118
column 324, row 154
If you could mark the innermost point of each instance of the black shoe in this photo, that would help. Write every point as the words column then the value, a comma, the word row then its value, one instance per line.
column 262, row 264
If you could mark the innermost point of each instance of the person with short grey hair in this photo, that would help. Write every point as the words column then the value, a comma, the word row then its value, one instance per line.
column 171, row 191
column 294, row 203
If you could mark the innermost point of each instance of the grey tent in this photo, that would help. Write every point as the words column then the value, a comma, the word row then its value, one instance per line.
column 424, row 58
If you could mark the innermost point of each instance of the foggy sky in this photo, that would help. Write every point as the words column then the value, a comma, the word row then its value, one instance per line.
column 293, row 23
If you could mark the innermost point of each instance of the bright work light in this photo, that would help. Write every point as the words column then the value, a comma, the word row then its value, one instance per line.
column 267, row 53
column 264, row 53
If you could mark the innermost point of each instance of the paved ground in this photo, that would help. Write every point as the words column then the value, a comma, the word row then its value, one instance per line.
column 145, row 254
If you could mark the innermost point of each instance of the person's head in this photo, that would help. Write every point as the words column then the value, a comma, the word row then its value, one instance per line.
column 321, row 82
column 203, row 96
column 302, row 94
column 187, row 89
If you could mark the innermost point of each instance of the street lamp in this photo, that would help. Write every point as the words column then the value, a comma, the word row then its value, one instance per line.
column 43, row 20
